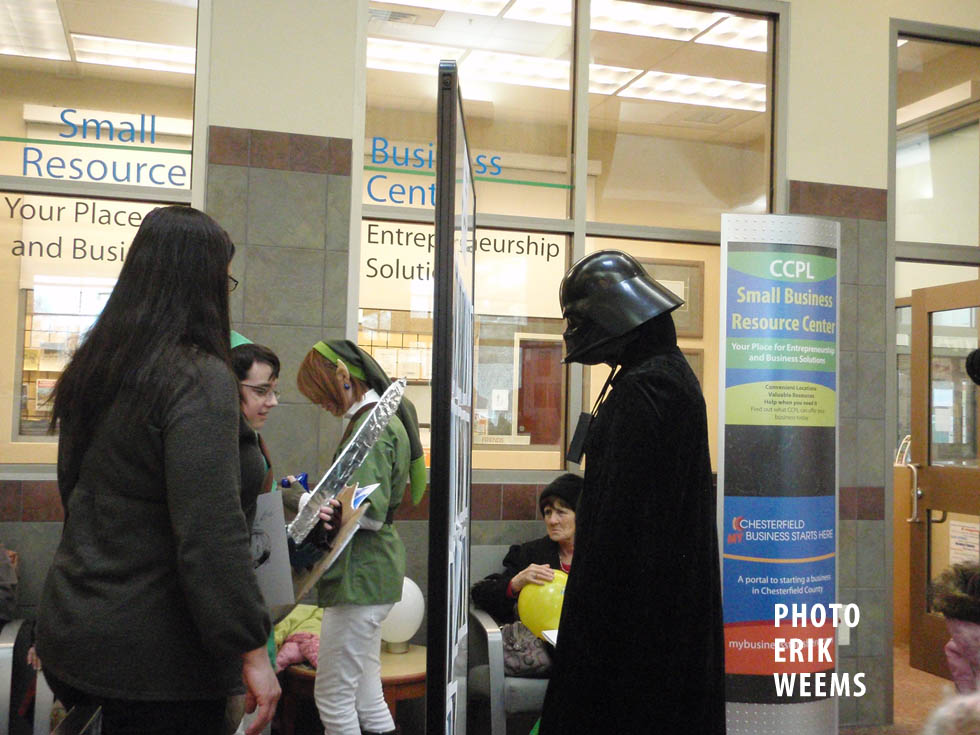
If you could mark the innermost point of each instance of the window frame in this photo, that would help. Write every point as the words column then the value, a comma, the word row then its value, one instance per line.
column 578, row 228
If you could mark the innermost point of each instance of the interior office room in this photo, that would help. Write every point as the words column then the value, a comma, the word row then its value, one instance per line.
column 308, row 131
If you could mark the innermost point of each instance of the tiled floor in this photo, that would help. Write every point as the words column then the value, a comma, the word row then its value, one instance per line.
column 916, row 695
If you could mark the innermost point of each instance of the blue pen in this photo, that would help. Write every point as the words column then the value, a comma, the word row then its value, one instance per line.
column 301, row 478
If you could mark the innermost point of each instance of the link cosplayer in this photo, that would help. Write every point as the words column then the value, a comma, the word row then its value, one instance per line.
column 641, row 628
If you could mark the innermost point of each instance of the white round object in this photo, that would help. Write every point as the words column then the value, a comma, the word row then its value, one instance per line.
column 405, row 616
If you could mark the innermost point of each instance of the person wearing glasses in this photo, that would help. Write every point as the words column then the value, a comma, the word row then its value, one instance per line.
column 151, row 608
column 257, row 370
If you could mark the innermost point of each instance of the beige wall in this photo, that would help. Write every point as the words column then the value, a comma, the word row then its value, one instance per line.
column 285, row 66
column 837, row 130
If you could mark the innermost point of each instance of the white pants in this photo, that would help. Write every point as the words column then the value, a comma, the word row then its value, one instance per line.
column 347, row 690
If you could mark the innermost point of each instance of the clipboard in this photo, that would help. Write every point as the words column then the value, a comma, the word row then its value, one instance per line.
column 304, row 580
column 270, row 554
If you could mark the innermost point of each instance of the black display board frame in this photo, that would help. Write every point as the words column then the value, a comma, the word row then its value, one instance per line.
column 452, row 415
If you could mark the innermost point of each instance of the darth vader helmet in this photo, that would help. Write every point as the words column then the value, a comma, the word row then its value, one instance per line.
column 604, row 296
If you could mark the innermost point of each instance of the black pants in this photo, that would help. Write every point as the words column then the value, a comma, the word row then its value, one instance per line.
column 133, row 717
column 23, row 681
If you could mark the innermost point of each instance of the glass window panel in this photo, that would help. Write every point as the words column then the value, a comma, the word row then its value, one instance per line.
column 952, row 395
column 514, row 71
column 103, row 99
column 691, row 271
column 909, row 276
column 519, row 376
column 121, row 112
column 64, row 256
column 684, row 133
column 903, row 340
column 937, row 155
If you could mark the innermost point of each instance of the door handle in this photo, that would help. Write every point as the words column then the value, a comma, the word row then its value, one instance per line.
column 916, row 494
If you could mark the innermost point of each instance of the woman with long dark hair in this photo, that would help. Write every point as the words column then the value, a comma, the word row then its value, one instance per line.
column 151, row 608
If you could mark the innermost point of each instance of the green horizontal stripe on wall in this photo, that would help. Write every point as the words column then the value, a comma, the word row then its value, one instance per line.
column 42, row 141
column 494, row 179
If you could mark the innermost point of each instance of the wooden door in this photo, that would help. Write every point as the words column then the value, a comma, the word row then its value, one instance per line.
column 539, row 407
column 946, row 500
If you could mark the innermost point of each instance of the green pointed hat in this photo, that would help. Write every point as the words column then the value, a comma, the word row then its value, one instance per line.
column 237, row 340
column 363, row 367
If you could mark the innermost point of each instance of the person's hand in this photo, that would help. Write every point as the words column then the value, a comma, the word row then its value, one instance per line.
column 330, row 514
column 534, row 574
column 33, row 659
column 261, row 688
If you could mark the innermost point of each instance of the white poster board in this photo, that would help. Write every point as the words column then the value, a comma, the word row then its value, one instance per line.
column 964, row 547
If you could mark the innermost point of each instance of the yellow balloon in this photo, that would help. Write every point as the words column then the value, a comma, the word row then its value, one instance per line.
column 539, row 605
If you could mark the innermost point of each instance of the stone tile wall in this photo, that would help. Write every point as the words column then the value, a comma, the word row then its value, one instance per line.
column 863, row 531
column 285, row 201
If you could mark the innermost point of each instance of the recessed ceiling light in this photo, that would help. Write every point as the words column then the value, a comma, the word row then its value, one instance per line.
column 619, row 16
column 706, row 91
column 607, row 79
column 537, row 71
column 407, row 56
column 475, row 7
column 658, row 21
column 32, row 28
column 529, row 71
column 133, row 54
column 550, row 12
column 751, row 34
column 491, row 66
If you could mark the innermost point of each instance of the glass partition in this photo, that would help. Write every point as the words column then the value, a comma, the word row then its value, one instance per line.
column 519, row 406
column 106, row 98
column 903, row 342
column 679, row 129
column 937, row 154
column 93, row 97
column 64, row 254
column 952, row 396
column 693, row 273
column 515, row 77
column 684, row 132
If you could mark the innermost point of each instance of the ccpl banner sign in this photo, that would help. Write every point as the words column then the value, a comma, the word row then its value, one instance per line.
column 778, row 468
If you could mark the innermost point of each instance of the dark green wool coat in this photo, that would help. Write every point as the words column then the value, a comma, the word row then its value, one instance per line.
column 151, row 595
column 371, row 569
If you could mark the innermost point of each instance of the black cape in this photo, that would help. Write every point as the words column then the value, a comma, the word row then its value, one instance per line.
column 640, row 647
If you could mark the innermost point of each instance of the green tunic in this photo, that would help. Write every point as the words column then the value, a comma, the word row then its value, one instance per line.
column 370, row 570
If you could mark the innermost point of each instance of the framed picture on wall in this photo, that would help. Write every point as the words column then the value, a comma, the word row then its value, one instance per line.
column 686, row 279
column 695, row 358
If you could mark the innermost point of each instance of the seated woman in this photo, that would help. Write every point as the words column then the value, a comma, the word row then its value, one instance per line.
column 535, row 561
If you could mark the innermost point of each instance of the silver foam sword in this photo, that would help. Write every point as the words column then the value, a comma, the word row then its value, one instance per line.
column 335, row 479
